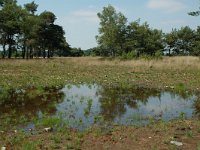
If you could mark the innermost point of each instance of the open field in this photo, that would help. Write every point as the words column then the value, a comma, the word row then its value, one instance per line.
column 156, row 79
column 152, row 137
column 53, row 72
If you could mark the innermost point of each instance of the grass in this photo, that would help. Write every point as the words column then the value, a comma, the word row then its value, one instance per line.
column 153, row 136
column 189, row 133
column 179, row 72
column 198, row 146
column 29, row 146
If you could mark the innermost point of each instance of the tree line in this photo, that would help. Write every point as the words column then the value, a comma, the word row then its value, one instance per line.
column 26, row 34
column 117, row 37
column 23, row 33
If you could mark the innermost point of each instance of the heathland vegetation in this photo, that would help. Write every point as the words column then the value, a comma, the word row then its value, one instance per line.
column 29, row 88
column 105, row 102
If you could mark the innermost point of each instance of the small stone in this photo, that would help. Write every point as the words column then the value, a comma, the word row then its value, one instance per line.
column 3, row 148
column 15, row 131
column 150, row 137
column 176, row 143
column 49, row 129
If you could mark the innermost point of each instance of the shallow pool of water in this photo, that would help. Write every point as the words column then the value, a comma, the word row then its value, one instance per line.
column 88, row 103
column 82, row 106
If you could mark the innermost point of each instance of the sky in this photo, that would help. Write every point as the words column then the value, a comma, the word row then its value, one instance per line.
column 80, row 22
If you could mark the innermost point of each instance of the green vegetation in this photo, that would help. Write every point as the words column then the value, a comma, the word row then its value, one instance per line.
column 29, row 146
column 158, row 74
column 153, row 136
column 181, row 73
column 23, row 33
column 36, row 84
column 198, row 146
column 131, row 40
column 194, row 13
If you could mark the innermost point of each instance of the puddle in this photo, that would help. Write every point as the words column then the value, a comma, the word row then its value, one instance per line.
column 84, row 105
column 124, row 106
column 23, row 105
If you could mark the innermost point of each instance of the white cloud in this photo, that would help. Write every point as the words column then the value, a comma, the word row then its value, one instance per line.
column 173, row 22
column 79, row 16
column 169, row 6
column 85, row 14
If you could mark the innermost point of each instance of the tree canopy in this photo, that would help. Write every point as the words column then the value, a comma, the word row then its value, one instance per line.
column 27, row 34
column 118, row 37
column 195, row 13
column 112, row 30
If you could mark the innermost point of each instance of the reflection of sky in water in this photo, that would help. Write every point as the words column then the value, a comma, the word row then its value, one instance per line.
column 77, row 99
column 167, row 107
column 76, row 103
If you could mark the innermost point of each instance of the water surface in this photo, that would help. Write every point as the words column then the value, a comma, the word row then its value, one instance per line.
column 82, row 106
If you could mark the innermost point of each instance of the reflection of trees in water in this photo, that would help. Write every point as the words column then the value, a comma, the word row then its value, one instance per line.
column 31, row 101
column 114, row 100
column 183, row 94
column 186, row 95
column 197, row 105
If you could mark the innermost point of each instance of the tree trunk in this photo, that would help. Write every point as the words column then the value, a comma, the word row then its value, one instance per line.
column 4, row 50
column 51, row 53
column 44, row 53
column 9, row 51
column 10, row 43
column 27, row 52
column 24, row 49
column 138, row 54
column 15, row 53
column 39, row 53
column 48, row 55
column 23, row 52
column 31, row 52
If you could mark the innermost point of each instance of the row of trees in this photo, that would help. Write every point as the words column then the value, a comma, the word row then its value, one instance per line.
column 26, row 34
column 117, row 37
column 183, row 42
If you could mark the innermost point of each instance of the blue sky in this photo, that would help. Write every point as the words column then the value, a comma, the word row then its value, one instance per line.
column 80, row 22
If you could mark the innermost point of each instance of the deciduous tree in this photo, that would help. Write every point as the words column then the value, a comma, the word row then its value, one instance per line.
column 112, row 30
